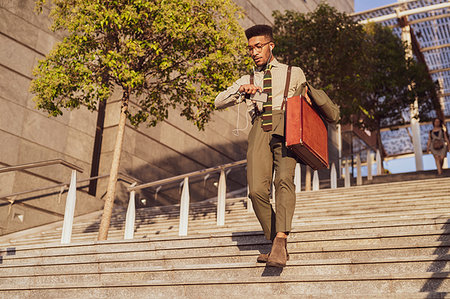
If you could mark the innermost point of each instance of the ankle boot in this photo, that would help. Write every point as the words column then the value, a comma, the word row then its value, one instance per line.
column 278, row 255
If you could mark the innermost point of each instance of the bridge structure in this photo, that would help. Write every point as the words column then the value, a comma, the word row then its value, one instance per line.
column 425, row 26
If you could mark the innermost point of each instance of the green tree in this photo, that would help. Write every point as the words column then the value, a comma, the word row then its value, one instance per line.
column 158, row 54
column 362, row 68
column 328, row 46
column 394, row 81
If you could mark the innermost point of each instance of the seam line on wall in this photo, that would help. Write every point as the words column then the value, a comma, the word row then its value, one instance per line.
column 22, row 44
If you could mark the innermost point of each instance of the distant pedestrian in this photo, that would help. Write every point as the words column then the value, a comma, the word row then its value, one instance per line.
column 438, row 143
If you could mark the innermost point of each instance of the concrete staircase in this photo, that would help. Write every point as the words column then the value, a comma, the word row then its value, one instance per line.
column 376, row 241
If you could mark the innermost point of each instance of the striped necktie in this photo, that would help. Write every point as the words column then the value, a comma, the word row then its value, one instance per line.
column 267, row 111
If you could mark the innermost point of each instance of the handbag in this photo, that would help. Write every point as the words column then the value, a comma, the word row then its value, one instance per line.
column 438, row 144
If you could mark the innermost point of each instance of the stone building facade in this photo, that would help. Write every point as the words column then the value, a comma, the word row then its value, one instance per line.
column 28, row 135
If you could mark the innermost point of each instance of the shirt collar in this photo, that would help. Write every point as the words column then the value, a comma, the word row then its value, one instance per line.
column 274, row 63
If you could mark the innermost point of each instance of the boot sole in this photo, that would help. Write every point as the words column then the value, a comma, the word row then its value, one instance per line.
column 273, row 264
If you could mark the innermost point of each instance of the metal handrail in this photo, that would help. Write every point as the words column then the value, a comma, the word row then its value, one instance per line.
column 187, row 175
column 40, row 164
column 122, row 177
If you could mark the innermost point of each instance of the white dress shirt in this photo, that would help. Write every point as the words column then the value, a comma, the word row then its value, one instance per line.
column 231, row 95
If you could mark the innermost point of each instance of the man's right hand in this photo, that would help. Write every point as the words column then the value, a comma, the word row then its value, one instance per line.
column 249, row 88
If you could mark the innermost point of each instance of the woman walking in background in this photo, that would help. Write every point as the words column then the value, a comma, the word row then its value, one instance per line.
column 438, row 143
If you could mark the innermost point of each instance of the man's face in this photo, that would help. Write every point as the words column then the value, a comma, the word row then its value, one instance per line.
column 259, row 49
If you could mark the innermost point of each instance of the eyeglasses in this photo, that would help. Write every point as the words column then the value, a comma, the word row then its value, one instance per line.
column 257, row 47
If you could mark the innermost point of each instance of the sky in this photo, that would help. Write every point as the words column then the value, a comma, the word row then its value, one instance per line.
column 361, row 5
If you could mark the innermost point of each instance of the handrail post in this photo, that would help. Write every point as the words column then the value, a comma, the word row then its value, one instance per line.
column 70, row 209
column 221, row 198
column 379, row 166
column 358, row 169
column 347, row 173
column 333, row 176
column 369, row 165
column 184, row 208
column 316, row 182
column 131, row 216
column 298, row 178
column 308, row 178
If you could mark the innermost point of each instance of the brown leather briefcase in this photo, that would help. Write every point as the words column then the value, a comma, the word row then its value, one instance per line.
column 306, row 133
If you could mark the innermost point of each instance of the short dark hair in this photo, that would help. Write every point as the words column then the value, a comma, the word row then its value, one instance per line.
column 259, row 30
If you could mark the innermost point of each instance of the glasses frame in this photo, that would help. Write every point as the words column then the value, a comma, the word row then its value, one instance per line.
column 258, row 47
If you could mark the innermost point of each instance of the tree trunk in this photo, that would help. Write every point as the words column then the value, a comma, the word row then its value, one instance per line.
column 110, row 193
column 97, row 147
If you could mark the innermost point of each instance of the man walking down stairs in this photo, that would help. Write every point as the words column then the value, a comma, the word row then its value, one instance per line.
column 387, row 240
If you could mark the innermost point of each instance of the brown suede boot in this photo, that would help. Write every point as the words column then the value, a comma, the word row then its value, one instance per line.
column 262, row 258
column 278, row 255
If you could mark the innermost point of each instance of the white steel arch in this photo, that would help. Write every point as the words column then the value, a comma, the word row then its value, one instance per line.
column 430, row 22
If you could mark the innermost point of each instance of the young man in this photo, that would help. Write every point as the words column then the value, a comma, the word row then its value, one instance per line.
column 266, row 145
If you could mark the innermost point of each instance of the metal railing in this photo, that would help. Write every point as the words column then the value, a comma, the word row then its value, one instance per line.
column 347, row 163
column 41, row 164
column 71, row 194
column 123, row 177
column 185, row 198
column 221, row 193
column 311, row 180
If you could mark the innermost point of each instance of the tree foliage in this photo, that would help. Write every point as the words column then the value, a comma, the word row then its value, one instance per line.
column 394, row 81
column 328, row 46
column 362, row 68
column 162, row 54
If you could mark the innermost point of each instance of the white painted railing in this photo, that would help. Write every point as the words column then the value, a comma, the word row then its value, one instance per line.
column 71, row 198
column 312, row 182
column 71, row 194
column 185, row 197
column 131, row 216
column 347, row 164
column 69, row 211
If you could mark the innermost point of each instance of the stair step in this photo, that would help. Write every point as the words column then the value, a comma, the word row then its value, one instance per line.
column 386, row 265
column 266, row 284
column 235, row 225
column 243, row 244
column 373, row 241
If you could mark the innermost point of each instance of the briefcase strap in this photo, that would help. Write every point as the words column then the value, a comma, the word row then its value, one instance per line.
column 286, row 87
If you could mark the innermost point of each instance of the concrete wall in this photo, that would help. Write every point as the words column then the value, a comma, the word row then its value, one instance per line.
column 260, row 11
column 173, row 147
column 28, row 135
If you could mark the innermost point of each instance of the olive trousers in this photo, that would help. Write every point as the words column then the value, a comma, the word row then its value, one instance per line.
column 267, row 153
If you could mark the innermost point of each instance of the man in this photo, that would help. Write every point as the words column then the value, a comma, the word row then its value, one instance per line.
column 267, row 151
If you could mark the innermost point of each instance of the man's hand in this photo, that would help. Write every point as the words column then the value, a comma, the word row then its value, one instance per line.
column 249, row 88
